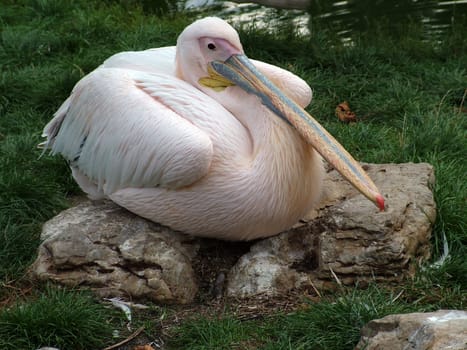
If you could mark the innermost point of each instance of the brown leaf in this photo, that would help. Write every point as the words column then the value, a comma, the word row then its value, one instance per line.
column 143, row 347
column 344, row 113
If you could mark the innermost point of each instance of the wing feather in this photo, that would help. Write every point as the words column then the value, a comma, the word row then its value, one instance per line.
column 157, row 60
column 121, row 129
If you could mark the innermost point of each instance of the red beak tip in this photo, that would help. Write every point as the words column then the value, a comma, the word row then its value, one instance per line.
column 380, row 202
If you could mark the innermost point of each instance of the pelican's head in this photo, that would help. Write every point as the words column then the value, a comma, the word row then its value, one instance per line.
column 210, row 55
column 202, row 42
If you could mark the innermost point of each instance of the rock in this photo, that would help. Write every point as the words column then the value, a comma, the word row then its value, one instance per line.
column 119, row 254
column 347, row 237
column 444, row 329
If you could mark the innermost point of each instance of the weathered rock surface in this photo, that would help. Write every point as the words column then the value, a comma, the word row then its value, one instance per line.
column 441, row 330
column 346, row 236
column 117, row 253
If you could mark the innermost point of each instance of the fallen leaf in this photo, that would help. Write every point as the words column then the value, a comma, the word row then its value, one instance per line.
column 143, row 347
column 344, row 113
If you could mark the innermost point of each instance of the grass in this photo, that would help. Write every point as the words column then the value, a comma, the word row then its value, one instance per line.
column 218, row 333
column 55, row 318
column 407, row 93
column 333, row 323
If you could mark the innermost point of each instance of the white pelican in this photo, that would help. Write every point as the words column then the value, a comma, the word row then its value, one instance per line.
column 196, row 138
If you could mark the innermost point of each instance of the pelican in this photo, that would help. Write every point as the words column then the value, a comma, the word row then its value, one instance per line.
column 199, row 138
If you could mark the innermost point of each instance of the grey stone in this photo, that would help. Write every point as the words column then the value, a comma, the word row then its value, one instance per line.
column 116, row 253
column 346, row 237
column 440, row 330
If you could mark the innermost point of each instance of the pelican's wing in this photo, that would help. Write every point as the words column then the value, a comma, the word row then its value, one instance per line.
column 158, row 60
column 125, row 128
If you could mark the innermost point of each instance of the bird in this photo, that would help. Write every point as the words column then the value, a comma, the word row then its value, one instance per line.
column 200, row 138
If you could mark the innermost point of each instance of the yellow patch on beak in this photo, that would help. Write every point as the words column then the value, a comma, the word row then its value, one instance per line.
column 215, row 81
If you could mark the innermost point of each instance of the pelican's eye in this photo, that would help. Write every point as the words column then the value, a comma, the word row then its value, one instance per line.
column 211, row 46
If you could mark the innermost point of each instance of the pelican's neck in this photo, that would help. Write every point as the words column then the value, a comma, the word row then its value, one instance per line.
column 281, row 175
column 284, row 171
column 269, row 133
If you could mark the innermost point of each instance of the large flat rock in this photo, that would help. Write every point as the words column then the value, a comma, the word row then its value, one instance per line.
column 103, row 246
column 440, row 330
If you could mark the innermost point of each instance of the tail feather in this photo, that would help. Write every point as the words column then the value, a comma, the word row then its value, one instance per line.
column 53, row 127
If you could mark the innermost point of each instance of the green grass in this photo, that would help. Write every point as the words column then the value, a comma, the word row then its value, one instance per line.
column 215, row 334
column 56, row 318
column 333, row 323
column 406, row 92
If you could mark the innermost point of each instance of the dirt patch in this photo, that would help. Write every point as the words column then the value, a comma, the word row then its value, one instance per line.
column 212, row 263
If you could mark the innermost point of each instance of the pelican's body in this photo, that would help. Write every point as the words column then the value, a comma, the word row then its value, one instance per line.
column 143, row 131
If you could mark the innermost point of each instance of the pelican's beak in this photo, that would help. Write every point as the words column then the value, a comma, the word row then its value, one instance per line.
column 239, row 70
